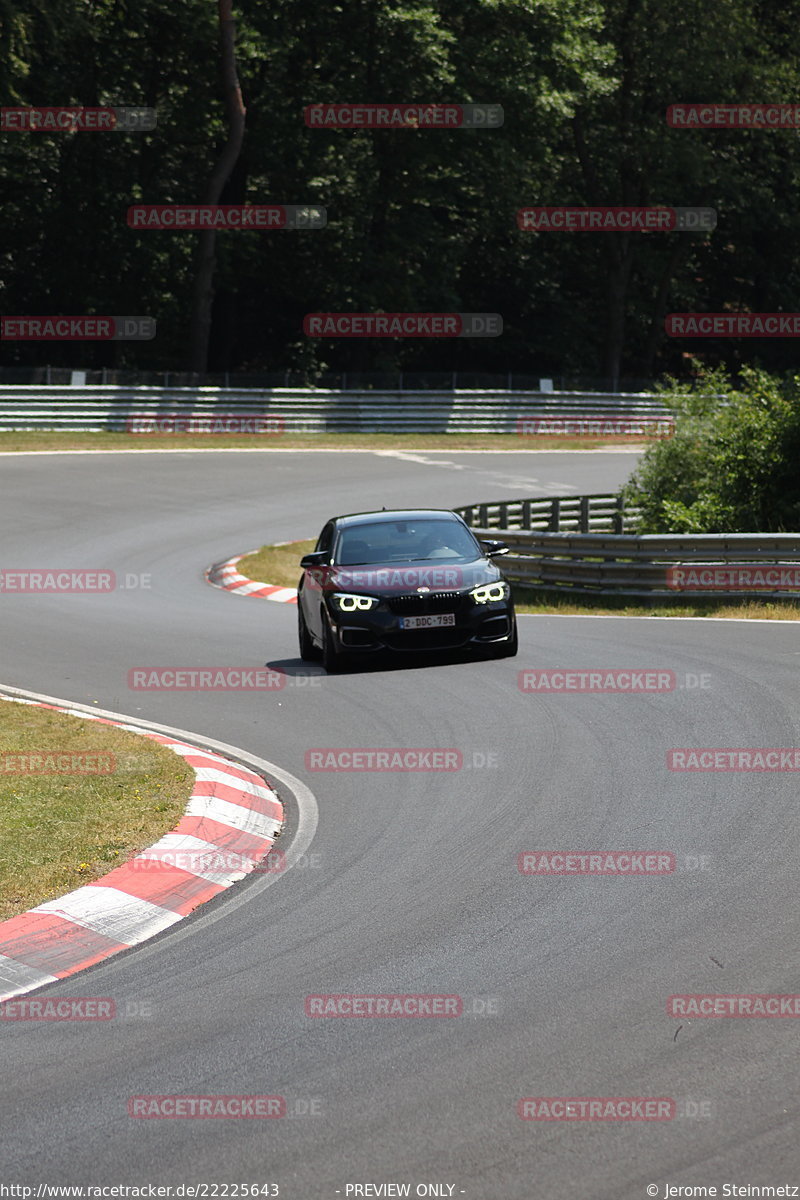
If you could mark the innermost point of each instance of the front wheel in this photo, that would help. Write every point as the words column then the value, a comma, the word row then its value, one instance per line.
column 508, row 649
column 308, row 651
column 332, row 659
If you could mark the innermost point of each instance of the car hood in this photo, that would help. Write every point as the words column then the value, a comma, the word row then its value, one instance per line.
column 399, row 578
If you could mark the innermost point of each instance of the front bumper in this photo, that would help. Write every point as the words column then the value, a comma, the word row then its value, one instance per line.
column 380, row 628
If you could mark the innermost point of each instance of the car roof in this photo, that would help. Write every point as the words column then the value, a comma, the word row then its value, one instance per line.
column 394, row 514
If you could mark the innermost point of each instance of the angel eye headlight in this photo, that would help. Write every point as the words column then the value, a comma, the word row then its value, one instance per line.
column 490, row 592
column 346, row 602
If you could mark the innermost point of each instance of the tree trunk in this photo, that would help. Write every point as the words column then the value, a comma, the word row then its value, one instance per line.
column 618, row 280
column 619, row 253
column 679, row 255
column 205, row 259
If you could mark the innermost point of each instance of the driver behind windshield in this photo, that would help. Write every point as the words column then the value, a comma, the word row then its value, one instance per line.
column 405, row 541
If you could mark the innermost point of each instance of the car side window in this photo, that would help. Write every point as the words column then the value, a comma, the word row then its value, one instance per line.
column 325, row 539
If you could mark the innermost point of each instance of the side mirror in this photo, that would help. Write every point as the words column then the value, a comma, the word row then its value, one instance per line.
column 493, row 548
column 318, row 558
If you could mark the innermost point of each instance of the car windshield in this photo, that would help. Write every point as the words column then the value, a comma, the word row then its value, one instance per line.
column 405, row 541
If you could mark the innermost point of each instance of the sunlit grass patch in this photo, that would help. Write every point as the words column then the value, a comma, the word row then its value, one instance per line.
column 61, row 830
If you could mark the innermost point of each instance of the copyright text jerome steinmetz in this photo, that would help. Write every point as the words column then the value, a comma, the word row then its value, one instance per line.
column 693, row 1191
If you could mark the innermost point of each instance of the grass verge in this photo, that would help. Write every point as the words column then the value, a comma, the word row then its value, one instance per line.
column 528, row 600
column 60, row 831
column 277, row 564
column 56, row 440
column 280, row 565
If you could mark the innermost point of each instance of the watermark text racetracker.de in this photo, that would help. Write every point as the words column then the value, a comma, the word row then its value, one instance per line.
column 546, row 863
column 396, row 117
column 756, row 1005
column 734, row 758
column 224, row 1107
column 596, row 862
column 402, row 325
column 615, row 219
column 77, row 329
column 216, row 679
column 596, row 426
column 65, row 119
column 261, row 218
column 60, row 1008
column 398, row 758
column 55, row 762
column 734, row 116
column 597, row 1108
column 744, row 577
column 56, row 581
column 213, row 1107
column 232, row 422
column 733, row 324
column 400, row 580
column 609, row 680
column 172, row 853
column 400, row 1005
column 75, row 1008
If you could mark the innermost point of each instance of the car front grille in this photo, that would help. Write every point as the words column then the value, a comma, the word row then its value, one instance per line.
column 423, row 604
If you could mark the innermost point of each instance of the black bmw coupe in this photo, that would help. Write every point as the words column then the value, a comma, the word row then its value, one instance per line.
column 402, row 580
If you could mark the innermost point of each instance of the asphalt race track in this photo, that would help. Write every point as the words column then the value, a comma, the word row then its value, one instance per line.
column 411, row 882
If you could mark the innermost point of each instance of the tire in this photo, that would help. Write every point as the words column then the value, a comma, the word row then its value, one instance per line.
column 508, row 649
column 332, row 659
column 308, row 651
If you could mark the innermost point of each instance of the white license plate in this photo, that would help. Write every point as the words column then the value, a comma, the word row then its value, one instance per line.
column 428, row 622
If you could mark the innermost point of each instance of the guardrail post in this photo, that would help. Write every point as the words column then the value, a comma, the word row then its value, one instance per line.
column 526, row 514
column 619, row 516
column 504, row 515
column 483, row 516
column 584, row 515
column 555, row 514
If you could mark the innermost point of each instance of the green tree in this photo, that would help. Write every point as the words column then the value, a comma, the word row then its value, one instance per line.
column 731, row 466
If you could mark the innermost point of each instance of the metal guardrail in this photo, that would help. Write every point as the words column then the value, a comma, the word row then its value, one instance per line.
column 309, row 410
column 654, row 567
column 353, row 381
column 601, row 512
